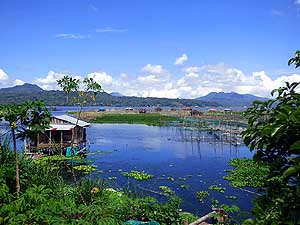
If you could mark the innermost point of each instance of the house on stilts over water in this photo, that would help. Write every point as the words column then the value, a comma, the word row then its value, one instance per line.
column 66, row 135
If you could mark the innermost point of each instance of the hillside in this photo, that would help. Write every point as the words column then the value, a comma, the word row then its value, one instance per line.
column 32, row 88
column 231, row 98
column 24, row 92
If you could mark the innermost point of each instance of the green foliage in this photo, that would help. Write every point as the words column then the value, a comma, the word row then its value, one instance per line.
column 188, row 216
column 147, row 118
column 171, row 178
column 201, row 195
column 148, row 209
column 184, row 186
column 47, row 199
column 167, row 190
column 137, row 175
column 247, row 173
column 217, row 188
column 89, row 90
column 274, row 132
column 295, row 60
column 68, row 84
column 86, row 168
column 28, row 118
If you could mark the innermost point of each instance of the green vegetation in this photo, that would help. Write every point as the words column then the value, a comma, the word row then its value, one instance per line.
column 167, row 190
column 201, row 195
column 184, row 186
column 19, row 94
column 154, row 119
column 47, row 199
column 24, row 121
column 170, row 178
column 86, row 168
column 273, row 131
column 137, row 175
column 247, row 173
column 217, row 188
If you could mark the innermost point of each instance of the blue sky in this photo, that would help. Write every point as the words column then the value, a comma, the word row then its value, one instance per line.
column 131, row 46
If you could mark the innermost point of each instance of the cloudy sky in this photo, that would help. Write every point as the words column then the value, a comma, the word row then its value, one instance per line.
column 175, row 49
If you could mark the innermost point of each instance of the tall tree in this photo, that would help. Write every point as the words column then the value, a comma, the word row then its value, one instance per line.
column 274, row 132
column 27, row 119
column 89, row 91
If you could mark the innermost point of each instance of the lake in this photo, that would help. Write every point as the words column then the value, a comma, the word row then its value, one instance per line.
column 173, row 156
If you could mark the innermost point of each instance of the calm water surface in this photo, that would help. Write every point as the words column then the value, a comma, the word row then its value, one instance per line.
column 166, row 152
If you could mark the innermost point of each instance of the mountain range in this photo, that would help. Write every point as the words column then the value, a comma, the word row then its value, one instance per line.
column 20, row 93
column 231, row 98
column 116, row 94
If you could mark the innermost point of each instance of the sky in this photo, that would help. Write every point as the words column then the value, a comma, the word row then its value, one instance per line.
column 157, row 48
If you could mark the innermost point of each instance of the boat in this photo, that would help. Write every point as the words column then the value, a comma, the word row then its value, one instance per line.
column 64, row 133
column 101, row 109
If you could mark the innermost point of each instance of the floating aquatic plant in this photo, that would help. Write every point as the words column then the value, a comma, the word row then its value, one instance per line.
column 137, row 175
column 217, row 188
column 231, row 197
column 86, row 168
column 201, row 195
column 171, row 179
column 167, row 190
column 184, row 186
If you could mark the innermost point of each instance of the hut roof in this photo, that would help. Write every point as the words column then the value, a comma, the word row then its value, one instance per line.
column 60, row 127
column 72, row 120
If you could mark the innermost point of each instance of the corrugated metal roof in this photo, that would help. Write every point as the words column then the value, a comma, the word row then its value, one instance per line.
column 60, row 127
column 72, row 120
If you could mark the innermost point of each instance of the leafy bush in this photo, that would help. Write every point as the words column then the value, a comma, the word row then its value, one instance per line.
column 274, row 132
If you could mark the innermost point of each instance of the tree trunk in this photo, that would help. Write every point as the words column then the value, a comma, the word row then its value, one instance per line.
column 17, row 161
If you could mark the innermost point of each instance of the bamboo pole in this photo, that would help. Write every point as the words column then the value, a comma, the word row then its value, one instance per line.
column 203, row 219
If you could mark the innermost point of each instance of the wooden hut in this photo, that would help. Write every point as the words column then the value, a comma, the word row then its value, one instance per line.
column 64, row 131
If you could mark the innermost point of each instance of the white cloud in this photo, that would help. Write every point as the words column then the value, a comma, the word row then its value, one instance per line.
column 104, row 79
column 50, row 81
column 111, row 30
column 3, row 75
column 72, row 36
column 154, row 69
column 297, row 2
column 18, row 82
column 196, row 81
column 180, row 60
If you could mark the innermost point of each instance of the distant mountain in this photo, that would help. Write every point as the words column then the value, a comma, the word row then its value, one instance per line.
column 24, row 92
column 231, row 98
column 116, row 94
column 28, row 88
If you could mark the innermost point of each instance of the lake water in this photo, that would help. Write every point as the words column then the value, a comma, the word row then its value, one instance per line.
column 166, row 152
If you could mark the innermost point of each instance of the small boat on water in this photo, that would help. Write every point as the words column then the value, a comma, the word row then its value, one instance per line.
column 66, row 135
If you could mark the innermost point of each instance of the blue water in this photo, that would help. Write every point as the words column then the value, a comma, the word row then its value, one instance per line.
column 166, row 152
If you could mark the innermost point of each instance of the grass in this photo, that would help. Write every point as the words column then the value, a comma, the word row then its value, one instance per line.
column 154, row 119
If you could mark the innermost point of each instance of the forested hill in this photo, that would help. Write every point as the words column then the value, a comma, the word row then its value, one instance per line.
column 231, row 98
column 24, row 92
